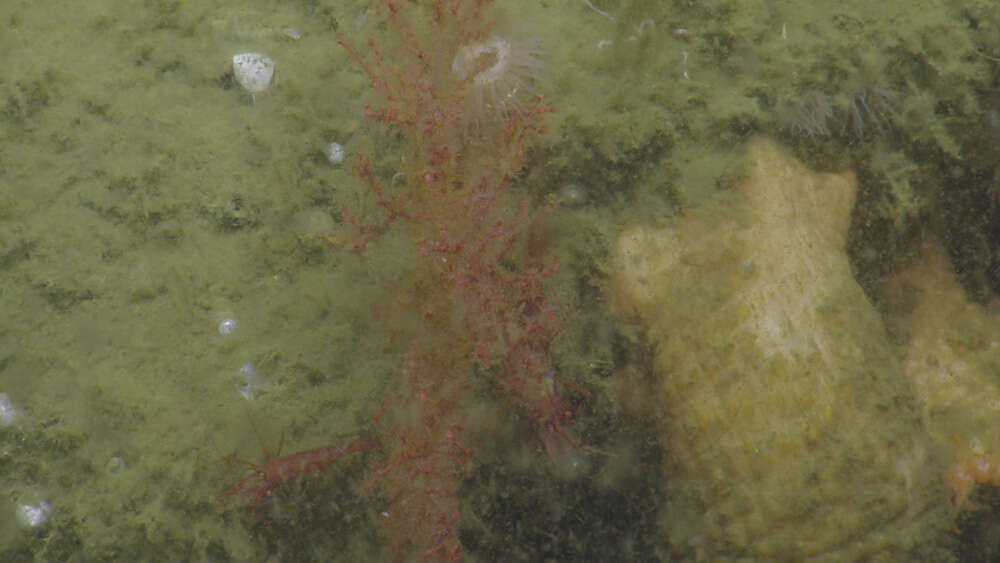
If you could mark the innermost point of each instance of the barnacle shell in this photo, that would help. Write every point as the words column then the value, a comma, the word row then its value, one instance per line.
column 253, row 71
column 790, row 431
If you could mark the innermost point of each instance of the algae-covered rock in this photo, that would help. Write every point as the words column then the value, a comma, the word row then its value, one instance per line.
column 790, row 430
column 951, row 361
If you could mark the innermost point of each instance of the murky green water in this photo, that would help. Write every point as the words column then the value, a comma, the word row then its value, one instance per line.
column 145, row 198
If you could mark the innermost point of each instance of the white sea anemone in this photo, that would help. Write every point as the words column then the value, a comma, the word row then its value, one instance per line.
column 499, row 73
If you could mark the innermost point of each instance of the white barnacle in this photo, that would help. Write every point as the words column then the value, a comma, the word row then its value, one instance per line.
column 254, row 72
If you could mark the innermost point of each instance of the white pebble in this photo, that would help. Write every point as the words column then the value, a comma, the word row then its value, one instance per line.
column 334, row 153
column 227, row 326
column 254, row 72
column 31, row 515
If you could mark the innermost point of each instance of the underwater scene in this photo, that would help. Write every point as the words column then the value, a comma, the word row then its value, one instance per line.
column 454, row 280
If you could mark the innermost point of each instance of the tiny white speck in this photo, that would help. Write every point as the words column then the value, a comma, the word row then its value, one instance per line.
column 252, row 382
column 8, row 412
column 115, row 464
column 335, row 153
column 227, row 326
column 33, row 515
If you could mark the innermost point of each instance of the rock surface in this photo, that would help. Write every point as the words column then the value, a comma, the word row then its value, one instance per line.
column 790, row 430
column 951, row 359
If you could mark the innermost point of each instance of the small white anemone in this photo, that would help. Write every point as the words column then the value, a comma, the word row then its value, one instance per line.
column 500, row 74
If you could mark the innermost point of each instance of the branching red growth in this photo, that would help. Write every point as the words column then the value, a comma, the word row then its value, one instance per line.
column 427, row 461
column 394, row 209
column 260, row 485
column 481, row 291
